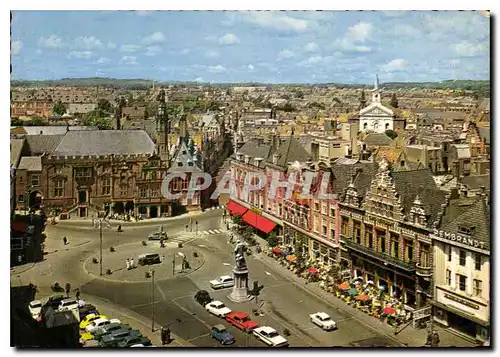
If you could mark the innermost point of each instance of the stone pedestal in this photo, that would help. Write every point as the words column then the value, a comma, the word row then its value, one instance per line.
column 240, row 289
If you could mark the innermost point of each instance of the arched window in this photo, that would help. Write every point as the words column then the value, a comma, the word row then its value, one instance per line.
column 387, row 126
column 365, row 125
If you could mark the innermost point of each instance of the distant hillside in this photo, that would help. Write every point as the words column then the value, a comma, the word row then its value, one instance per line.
column 482, row 87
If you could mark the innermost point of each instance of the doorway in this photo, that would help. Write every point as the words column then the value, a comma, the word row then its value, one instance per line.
column 82, row 196
column 153, row 211
column 82, row 212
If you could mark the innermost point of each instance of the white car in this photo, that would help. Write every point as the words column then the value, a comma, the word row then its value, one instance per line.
column 35, row 308
column 221, row 282
column 217, row 308
column 323, row 320
column 68, row 304
column 94, row 325
column 270, row 336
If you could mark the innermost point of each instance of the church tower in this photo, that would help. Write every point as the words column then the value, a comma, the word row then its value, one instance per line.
column 376, row 91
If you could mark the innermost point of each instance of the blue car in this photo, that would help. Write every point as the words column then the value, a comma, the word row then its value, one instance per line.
column 220, row 333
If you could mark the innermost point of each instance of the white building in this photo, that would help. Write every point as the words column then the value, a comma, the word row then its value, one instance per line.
column 377, row 117
column 462, row 267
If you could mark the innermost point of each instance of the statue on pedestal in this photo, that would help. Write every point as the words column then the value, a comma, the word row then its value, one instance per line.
column 239, row 252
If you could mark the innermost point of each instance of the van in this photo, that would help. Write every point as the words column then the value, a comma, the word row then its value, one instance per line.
column 149, row 258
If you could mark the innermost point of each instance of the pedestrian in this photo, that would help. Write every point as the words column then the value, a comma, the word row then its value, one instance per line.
column 163, row 257
column 128, row 264
column 163, row 336
column 77, row 294
column 65, row 240
column 68, row 289
column 132, row 264
column 435, row 339
column 167, row 336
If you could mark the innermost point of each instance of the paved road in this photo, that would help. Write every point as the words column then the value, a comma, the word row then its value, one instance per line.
column 285, row 303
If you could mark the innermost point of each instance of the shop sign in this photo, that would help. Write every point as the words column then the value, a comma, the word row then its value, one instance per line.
column 461, row 301
column 459, row 238
column 256, row 210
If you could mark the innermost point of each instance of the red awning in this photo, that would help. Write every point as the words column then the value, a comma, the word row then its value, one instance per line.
column 236, row 209
column 259, row 222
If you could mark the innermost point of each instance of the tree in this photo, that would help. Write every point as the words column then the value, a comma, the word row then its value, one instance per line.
column 272, row 240
column 16, row 122
column 391, row 133
column 104, row 108
column 362, row 99
column 394, row 101
column 59, row 108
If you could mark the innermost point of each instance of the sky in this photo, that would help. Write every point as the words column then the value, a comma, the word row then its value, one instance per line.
column 252, row 46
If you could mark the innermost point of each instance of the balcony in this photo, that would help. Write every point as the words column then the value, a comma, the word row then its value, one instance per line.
column 386, row 258
column 424, row 271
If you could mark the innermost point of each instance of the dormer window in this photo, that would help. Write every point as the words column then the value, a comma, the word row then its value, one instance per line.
column 183, row 152
column 466, row 229
column 190, row 164
column 179, row 164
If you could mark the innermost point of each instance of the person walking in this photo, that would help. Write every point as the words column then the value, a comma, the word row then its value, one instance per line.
column 77, row 294
column 132, row 264
column 65, row 240
column 68, row 289
column 163, row 336
column 128, row 264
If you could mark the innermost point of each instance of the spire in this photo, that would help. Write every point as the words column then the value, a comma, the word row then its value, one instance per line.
column 376, row 82
column 376, row 91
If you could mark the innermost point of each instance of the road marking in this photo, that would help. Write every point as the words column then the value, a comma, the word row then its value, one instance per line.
column 190, row 313
column 141, row 305
column 210, row 231
column 161, row 292
column 202, row 245
column 277, row 285
column 197, row 337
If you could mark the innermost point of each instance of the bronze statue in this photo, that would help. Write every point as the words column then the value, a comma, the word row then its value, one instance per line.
column 239, row 253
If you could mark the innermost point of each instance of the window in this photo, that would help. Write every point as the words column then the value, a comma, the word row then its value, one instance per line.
column 59, row 188
column 477, row 262
column 477, row 288
column 396, row 249
column 332, row 212
column 369, row 236
column 449, row 253
column 123, row 191
column 21, row 198
column 190, row 163
column 143, row 192
column 154, row 192
column 324, row 230
column 179, row 164
column 316, row 206
column 382, row 243
column 35, row 180
column 106, row 186
column 463, row 255
column 345, row 226
column 448, row 277
column 332, row 233
column 21, row 180
column 461, row 281
column 83, row 172
column 58, row 170
column 357, row 233
column 409, row 251
column 153, row 175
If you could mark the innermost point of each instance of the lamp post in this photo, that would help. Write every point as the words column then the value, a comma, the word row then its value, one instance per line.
column 100, row 246
column 152, row 300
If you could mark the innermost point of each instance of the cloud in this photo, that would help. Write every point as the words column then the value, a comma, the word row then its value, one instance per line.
column 51, row 42
column 185, row 51
column 228, row 39
column 111, row 45
column 317, row 61
column 88, row 43
column 152, row 50
column 156, row 37
column 250, row 67
column 198, row 79
column 211, row 54
column 80, row 54
column 275, row 20
column 405, row 30
column 130, row 48
column 397, row 64
column 311, row 47
column 349, row 46
column 129, row 60
column 15, row 47
column 469, row 49
column 102, row 60
column 360, row 32
column 216, row 69
column 285, row 54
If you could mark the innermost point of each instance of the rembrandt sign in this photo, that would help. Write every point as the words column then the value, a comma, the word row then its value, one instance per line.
column 462, row 301
column 459, row 239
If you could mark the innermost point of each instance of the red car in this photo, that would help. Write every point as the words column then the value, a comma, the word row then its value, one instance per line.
column 241, row 320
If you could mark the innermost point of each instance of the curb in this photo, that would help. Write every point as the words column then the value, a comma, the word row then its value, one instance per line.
column 66, row 249
column 22, row 271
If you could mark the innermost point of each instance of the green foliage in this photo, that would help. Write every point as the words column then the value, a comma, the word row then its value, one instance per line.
column 394, row 101
column 272, row 240
column 316, row 105
column 287, row 107
column 59, row 108
column 104, row 108
column 35, row 122
column 91, row 119
column 16, row 122
column 391, row 133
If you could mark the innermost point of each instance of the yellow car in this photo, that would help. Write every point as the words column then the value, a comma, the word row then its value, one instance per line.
column 89, row 318
column 87, row 336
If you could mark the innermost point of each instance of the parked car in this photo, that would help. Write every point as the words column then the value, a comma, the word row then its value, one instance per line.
column 111, row 328
column 270, row 336
column 113, row 339
column 89, row 318
column 87, row 310
column 221, row 282
column 35, row 308
column 323, row 320
column 149, row 258
column 217, row 308
column 157, row 235
column 54, row 301
column 241, row 320
column 219, row 333
column 94, row 325
column 203, row 297
column 134, row 340
column 68, row 304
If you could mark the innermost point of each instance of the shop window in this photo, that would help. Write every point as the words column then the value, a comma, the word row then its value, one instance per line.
column 463, row 256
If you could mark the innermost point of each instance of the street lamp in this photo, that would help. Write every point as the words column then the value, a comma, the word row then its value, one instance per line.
column 100, row 244
column 152, row 300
